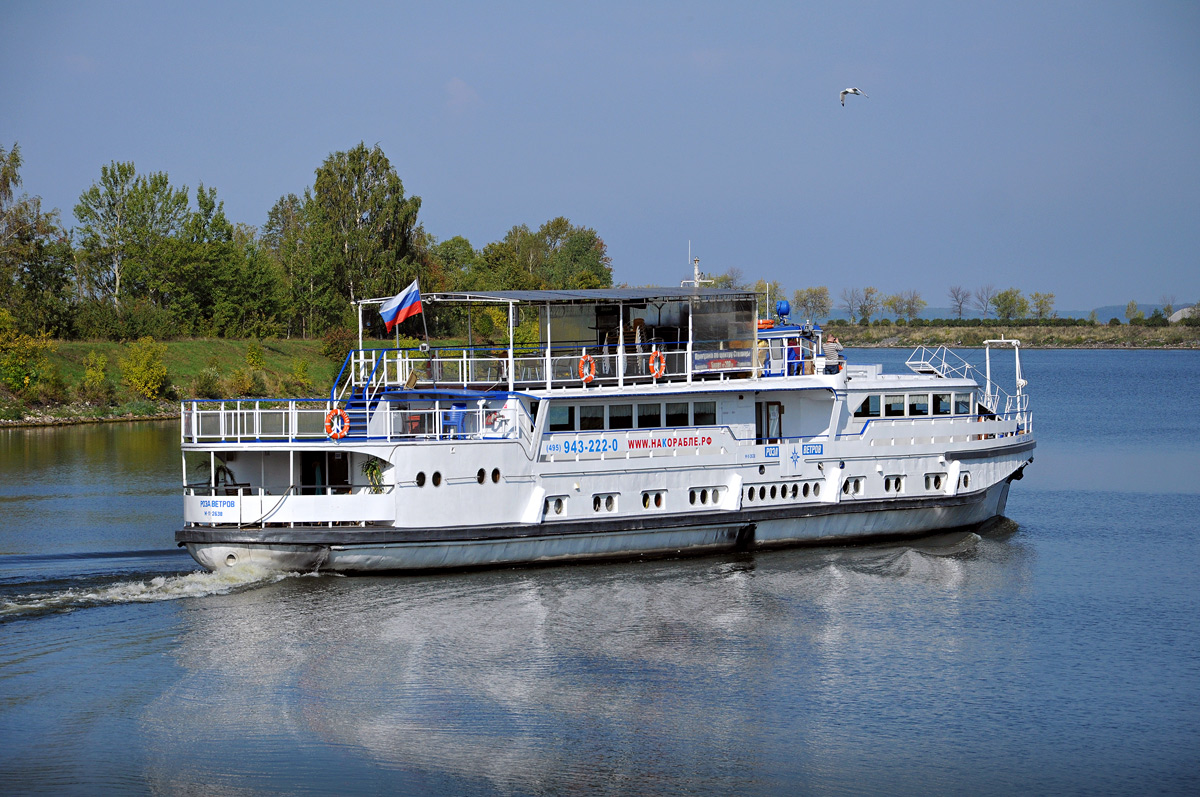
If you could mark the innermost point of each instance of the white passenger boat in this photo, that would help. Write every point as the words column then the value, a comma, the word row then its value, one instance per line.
column 644, row 422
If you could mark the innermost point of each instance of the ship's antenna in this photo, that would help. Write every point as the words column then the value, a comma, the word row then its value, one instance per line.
column 695, row 281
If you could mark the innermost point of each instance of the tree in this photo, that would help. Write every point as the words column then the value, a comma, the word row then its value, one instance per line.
column 851, row 299
column 126, row 220
column 1133, row 313
column 812, row 303
column 906, row 304
column 365, row 224
column 732, row 279
column 1010, row 304
column 983, row 299
column 869, row 303
column 36, row 259
column 959, row 296
column 769, row 293
column 1042, row 304
column 1168, row 303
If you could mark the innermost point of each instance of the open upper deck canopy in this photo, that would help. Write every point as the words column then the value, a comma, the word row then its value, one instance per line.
column 595, row 296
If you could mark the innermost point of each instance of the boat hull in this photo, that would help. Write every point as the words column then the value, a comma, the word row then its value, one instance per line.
column 351, row 549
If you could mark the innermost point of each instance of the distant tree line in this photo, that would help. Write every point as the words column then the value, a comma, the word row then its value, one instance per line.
column 147, row 260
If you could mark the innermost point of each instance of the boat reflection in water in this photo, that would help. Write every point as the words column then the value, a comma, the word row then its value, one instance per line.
column 668, row 675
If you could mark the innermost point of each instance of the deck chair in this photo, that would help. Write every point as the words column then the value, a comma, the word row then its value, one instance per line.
column 452, row 420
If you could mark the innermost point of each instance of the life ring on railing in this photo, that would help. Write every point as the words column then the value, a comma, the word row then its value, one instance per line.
column 587, row 368
column 658, row 364
column 337, row 423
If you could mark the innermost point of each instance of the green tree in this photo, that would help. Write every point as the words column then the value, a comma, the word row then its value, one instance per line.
column 812, row 304
column 364, row 224
column 1132, row 313
column 868, row 304
column 36, row 260
column 1010, row 305
column 1042, row 305
column 906, row 304
column 126, row 220
column 769, row 293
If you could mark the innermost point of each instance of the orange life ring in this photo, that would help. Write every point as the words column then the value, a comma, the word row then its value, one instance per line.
column 587, row 368
column 337, row 431
column 658, row 364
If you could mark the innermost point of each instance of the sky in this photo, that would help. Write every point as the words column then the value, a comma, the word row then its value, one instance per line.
column 1047, row 146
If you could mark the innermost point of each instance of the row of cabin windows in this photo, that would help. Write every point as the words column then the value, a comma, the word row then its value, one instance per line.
column 899, row 405
column 647, row 415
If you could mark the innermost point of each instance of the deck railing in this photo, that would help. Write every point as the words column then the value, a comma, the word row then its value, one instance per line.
column 365, row 372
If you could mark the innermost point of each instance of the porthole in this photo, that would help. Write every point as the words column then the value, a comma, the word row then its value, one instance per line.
column 558, row 506
column 937, row 482
column 858, row 486
column 966, row 480
column 715, row 496
column 421, row 479
column 762, row 493
column 595, row 503
column 610, row 503
column 437, row 478
column 805, row 490
column 762, row 469
column 846, row 487
column 887, row 484
column 645, row 500
column 772, row 492
column 704, row 496
column 816, row 489
column 750, row 494
column 795, row 490
column 658, row 500
column 928, row 481
column 495, row 475
column 481, row 476
column 691, row 496
column 546, row 507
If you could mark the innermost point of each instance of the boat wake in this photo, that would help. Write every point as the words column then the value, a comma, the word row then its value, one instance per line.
column 158, row 588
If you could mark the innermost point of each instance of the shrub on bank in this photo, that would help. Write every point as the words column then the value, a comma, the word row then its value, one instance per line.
column 143, row 368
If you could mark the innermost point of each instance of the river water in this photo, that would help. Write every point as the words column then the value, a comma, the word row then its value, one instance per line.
column 1058, row 651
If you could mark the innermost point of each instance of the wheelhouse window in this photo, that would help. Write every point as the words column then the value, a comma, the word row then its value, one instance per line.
column 941, row 404
column 620, row 416
column 962, row 403
column 562, row 418
column 893, row 406
column 677, row 413
column 704, row 413
column 918, row 404
column 649, row 416
column 591, row 417
column 869, row 408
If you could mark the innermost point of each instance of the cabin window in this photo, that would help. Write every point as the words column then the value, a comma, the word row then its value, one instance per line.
column 620, row 416
column 893, row 406
column 869, row 408
column 941, row 403
column 704, row 413
column 649, row 416
column 562, row 418
column 962, row 403
column 677, row 413
column 591, row 418
column 918, row 404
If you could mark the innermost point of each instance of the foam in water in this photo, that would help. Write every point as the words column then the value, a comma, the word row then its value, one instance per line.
column 159, row 588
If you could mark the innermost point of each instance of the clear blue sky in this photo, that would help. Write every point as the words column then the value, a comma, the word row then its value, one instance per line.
column 1045, row 146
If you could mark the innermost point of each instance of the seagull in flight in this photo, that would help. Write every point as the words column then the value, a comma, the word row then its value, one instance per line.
column 850, row 91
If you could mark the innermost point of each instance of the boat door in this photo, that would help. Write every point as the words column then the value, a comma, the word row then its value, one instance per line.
column 768, row 421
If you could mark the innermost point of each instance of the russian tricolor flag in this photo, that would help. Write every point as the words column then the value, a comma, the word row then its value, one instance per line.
column 407, row 303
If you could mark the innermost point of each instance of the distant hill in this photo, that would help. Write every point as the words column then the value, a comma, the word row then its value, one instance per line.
column 1103, row 314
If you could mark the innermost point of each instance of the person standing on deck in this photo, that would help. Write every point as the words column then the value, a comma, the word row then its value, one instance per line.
column 834, row 359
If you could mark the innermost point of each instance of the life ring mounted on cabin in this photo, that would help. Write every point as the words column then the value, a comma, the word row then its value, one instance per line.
column 587, row 368
column 658, row 364
column 337, row 423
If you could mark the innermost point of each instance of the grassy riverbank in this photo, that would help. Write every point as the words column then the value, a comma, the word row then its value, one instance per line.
column 222, row 368
column 216, row 367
